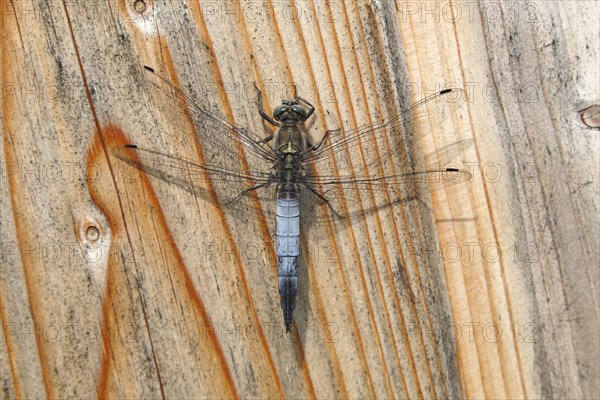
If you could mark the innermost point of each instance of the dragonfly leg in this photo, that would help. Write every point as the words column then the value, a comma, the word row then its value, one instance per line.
column 261, row 111
column 265, row 139
column 311, row 109
column 250, row 189
column 314, row 147
column 325, row 200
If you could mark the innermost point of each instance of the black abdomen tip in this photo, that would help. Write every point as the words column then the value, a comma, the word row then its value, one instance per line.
column 445, row 91
column 148, row 68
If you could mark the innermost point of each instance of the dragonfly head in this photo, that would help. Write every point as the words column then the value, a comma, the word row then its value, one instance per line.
column 291, row 111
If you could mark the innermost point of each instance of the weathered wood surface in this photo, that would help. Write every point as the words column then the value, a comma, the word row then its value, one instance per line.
column 115, row 284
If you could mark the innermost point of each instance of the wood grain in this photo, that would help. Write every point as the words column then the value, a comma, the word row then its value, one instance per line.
column 115, row 284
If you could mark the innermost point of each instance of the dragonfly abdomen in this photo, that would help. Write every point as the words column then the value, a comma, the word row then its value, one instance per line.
column 288, row 250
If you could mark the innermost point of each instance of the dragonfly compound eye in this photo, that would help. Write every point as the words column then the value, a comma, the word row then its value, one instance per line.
column 289, row 112
column 299, row 110
column 279, row 111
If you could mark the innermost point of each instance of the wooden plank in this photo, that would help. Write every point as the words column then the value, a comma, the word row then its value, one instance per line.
column 114, row 283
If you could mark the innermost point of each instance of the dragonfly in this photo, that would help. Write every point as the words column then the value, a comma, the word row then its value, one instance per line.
column 279, row 173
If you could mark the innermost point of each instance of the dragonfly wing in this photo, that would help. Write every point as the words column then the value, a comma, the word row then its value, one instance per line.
column 222, row 142
column 230, row 188
column 347, row 195
column 367, row 150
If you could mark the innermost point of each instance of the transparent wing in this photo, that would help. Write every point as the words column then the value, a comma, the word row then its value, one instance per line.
column 235, row 166
column 363, row 148
column 372, row 160
column 232, row 146
column 236, row 189
column 347, row 195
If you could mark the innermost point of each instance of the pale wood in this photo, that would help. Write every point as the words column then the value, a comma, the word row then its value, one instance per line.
column 130, row 314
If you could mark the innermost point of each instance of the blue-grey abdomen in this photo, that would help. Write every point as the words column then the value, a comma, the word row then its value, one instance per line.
column 288, row 250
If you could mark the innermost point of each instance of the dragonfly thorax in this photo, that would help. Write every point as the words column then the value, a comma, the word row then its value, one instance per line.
column 289, row 139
